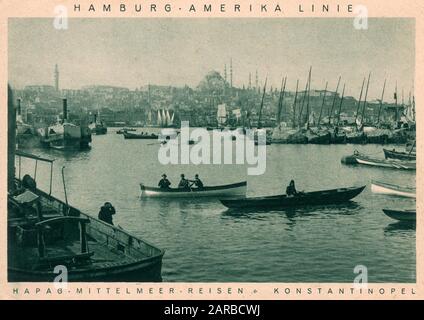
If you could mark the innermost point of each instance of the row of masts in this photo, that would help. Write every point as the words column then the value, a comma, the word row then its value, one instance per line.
column 360, row 114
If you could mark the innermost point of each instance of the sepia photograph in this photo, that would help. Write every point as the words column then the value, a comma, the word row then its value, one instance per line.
column 237, row 150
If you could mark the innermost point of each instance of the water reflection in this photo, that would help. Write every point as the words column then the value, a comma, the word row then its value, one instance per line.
column 400, row 227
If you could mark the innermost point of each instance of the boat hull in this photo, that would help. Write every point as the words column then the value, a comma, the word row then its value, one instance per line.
column 383, row 163
column 117, row 255
column 326, row 197
column 390, row 189
column 224, row 191
column 128, row 135
column 392, row 154
column 401, row 215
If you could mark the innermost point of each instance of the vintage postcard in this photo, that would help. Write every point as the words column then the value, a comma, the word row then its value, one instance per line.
column 211, row 149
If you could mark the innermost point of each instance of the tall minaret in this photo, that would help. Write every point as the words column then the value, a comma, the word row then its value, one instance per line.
column 257, row 80
column 231, row 72
column 56, row 77
column 225, row 73
column 250, row 80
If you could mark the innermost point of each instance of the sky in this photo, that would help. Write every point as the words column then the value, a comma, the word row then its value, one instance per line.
column 133, row 52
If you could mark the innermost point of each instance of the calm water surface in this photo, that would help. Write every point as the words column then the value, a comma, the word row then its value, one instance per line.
column 205, row 242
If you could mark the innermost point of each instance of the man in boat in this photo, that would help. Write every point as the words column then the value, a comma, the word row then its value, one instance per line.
column 291, row 189
column 197, row 182
column 106, row 213
column 184, row 183
column 164, row 183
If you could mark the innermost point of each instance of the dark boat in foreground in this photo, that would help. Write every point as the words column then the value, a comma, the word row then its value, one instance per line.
column 393, row 154
column 401, row 215
column 325, row 197
column 44, row 232
column 131, row 135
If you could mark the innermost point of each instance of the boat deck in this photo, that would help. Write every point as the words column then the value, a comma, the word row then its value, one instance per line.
column 102, row 256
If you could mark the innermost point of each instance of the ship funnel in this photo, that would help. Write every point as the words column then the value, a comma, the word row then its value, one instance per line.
column 65, row 109
column 19, row 106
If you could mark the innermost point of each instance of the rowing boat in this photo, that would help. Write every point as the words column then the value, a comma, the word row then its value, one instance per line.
column 392, row 189
column 392, row 154
column 384, row 163
column 130, row 135
column 401, row 215
column 325, row 197
column 222, row 191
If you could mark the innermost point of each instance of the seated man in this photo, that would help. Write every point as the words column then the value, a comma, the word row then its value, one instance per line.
column 183, row 183
column 164, row 183
column 291, row 189
column 197, row 182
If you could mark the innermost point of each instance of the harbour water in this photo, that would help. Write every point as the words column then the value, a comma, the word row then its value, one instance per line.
column 205, row 242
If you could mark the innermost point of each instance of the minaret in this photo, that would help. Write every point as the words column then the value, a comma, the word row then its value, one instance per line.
column 257, row 80
column 56, row 77
column 250, row 80
column 225, row 73
column 231, row 73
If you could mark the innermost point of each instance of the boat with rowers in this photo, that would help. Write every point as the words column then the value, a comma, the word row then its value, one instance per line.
column 325, row 197
column 220, row 191
column 393, row 154
column 392, row 189
column 401, row 215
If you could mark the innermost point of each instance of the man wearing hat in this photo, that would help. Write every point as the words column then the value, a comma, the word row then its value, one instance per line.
column 164, row 183
column 183, row 183
column 197, row 182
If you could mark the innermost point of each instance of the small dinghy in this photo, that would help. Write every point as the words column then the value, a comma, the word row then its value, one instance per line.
column 223, row 191
column 392, row 189
column 401, row 215
column 384, row 163
column 393, row 154
column 325, row 197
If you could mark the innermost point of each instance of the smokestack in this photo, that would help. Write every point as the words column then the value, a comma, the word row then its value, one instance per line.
column 65, row 109
column 19, row 106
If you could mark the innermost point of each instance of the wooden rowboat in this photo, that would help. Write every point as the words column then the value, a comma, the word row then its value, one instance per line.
column 325, row 197
column 384, row 163
column 401, row 215
column 392, row 189
column 392, row 154
column 131, row 135
column 223, row 191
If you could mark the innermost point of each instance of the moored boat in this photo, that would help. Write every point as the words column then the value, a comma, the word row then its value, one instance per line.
column 121, row 131
column 384, row 163
column 401, row 215
column 392, row 189
column 325, row 197
column 131, row 135
column 393, row 154
column 222, row 191
column 45, row 232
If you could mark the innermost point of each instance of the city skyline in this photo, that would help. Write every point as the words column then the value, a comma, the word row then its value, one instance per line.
column 113, row 52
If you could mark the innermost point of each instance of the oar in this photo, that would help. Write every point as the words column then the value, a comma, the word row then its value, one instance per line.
column 412, row 148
